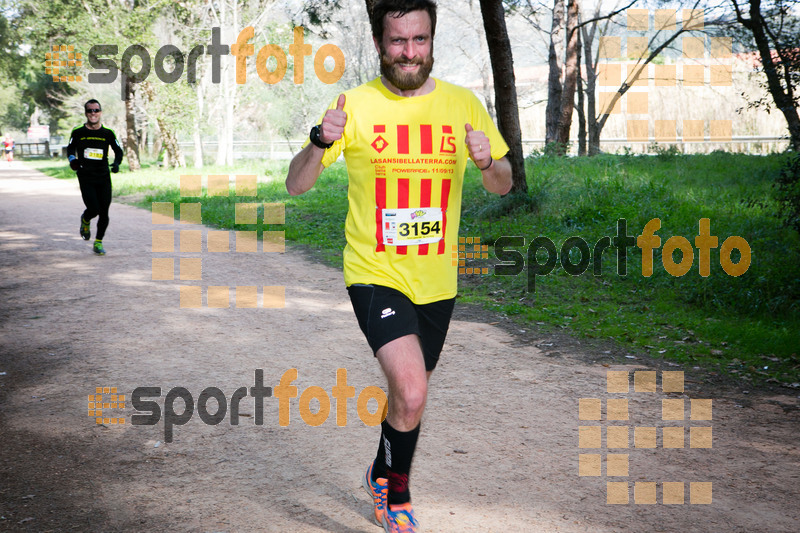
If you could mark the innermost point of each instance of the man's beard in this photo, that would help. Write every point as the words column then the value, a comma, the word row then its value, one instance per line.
column 406, row 81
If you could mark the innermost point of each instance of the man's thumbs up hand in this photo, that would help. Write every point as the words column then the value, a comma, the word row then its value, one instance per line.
column 479, row 148
column 333, row 122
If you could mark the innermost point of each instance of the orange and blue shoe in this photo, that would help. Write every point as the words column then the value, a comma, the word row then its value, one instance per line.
column 400, row 519
column 376, row 489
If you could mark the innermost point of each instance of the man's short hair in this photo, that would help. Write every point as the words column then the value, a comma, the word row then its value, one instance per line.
column 92, row 101
column 396, row 9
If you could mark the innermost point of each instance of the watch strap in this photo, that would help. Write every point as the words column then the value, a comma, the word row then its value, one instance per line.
column 315, row 140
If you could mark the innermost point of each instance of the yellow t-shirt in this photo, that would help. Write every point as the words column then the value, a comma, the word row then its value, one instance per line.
column 405, row 160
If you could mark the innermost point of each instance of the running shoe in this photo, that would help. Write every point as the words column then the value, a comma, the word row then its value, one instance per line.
column 377, row 490
column 85, row 233
column 400, row 519
column 98, row 248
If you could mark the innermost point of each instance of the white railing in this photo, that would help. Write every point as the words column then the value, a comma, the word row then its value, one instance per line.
column 748, row 144
column 282, row 149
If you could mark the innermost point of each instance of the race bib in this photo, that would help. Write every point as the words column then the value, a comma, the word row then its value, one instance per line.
column 93, row 153
column 417, row 225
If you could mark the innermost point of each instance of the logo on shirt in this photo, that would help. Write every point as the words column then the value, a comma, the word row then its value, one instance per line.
column 379, row 144
column 446, row 143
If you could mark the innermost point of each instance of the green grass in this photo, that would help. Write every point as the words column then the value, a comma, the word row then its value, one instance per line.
column 747, row 325
column 748, row 322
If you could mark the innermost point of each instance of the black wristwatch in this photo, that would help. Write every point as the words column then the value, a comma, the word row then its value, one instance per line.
column 314, row 136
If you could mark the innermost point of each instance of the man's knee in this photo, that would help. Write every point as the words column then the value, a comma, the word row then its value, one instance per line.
column 404, row 367
column 413, row 397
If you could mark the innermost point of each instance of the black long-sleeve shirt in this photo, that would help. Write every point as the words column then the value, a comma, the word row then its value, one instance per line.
column 90, row 148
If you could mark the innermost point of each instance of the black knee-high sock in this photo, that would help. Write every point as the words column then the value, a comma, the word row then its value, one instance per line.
column 399, row 449
column 379, row 466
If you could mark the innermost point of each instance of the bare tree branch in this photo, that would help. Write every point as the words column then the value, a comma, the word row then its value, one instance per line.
column 604, row 17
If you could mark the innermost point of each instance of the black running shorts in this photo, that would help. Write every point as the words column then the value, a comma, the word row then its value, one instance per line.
column 386, row 314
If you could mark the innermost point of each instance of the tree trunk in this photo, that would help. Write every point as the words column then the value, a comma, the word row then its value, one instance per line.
column 228, row 89
column 486, row 82
column 570, row 78
column 581, row 113
column 131, row 142
column 141, row 127
column 198, row 146
column 783, row 99
column 555, row 61
column 173, row 157
column 157, row 142
column 591, row 87
column 222, row 136
column 505, row 88
column 143, row 140
column 225, row 132
column 198, row 141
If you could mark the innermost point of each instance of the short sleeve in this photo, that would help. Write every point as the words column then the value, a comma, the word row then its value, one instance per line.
column 481, row 121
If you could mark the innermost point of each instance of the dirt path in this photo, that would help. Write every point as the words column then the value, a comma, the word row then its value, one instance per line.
column 500, row 441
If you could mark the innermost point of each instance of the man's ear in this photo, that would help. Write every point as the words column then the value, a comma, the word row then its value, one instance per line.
column 377, row 45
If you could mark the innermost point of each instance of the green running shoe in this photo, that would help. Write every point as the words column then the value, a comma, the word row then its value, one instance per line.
column 85, row 231
column 98, row 248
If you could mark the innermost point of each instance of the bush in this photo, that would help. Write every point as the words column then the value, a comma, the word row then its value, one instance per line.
column 788, row 195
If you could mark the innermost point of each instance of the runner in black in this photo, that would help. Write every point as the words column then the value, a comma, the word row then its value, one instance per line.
column 88, row 156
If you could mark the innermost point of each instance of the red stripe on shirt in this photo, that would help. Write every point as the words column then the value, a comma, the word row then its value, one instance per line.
column 425, row 201
column 445, row 197
column 402, row 201
column 380, row 202
column 426, row 139
column 402, row 139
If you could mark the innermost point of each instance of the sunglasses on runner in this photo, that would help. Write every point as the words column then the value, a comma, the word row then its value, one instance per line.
column 92, row 110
